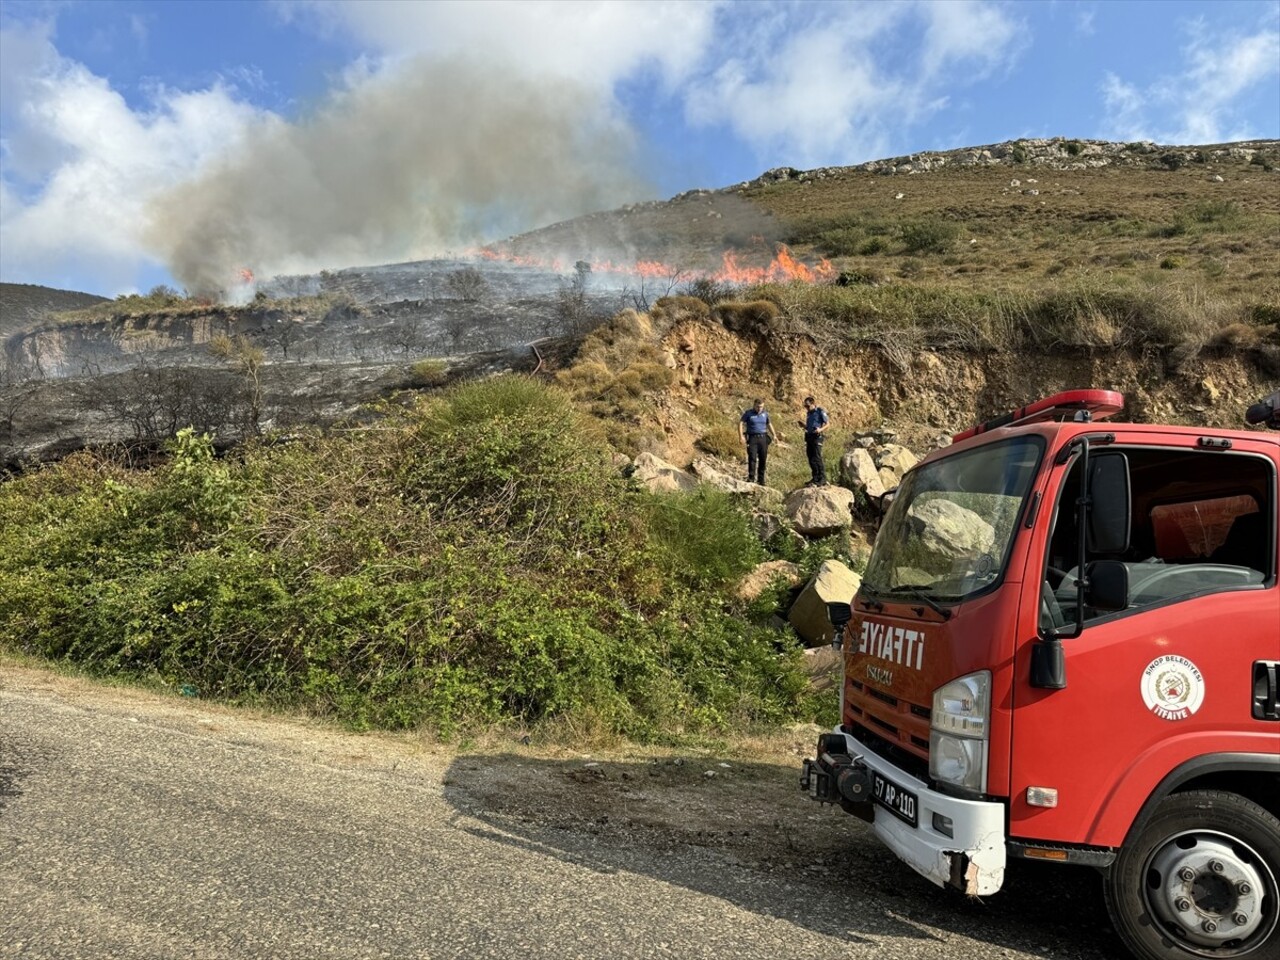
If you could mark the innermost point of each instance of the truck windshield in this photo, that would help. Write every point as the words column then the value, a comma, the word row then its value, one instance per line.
column 950, row 528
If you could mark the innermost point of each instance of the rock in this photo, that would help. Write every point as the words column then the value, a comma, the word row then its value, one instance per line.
column 621, row 462
column 833, row 583
column 1217, row 178
column 711, row 473
column 755, row 582
column 660, row 476
column 859, row 471
column 824, row 666
column 818, row 511
column 896, row 457
column 949, row 531
column 889, row 478
column 766, row 525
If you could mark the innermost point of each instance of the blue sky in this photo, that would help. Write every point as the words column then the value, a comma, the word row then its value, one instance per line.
column 157, row 142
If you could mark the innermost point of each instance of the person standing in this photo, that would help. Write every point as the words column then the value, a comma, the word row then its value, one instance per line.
column 756, row 431
column 816, row 422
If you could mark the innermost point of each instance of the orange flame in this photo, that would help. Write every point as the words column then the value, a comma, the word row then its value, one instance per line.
column 783, row 268
column 246, row 276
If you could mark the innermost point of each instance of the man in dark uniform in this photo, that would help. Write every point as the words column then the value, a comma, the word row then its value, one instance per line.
column 815, row 424
column 757, row 433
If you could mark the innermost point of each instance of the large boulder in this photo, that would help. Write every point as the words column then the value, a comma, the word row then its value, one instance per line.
column 833, row 583
column 896, row 457
column 949, row 531
column 859, row 471
column 660, row 476
column 755, row 582
column 818, row 511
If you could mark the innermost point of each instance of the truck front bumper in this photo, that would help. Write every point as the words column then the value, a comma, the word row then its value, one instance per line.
column 950, row 841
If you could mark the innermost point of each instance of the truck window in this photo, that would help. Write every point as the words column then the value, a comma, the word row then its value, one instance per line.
column 1202, row 522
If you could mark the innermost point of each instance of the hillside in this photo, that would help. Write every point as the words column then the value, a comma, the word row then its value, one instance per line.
column 1020, row 216
column 23, row 305
column 1081, row 257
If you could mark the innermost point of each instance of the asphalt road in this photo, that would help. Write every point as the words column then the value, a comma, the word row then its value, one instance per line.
column 137, row 826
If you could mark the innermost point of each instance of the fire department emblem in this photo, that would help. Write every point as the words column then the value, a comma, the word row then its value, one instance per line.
column 1172, row 687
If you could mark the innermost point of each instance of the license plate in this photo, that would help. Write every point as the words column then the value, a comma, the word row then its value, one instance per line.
column 901, row 803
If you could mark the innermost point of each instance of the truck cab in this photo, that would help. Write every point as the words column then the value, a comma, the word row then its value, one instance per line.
column 1065, row 648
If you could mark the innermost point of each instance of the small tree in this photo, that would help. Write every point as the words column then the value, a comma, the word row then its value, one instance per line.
column 467, row 284
column 572, row 300
column 248, row 360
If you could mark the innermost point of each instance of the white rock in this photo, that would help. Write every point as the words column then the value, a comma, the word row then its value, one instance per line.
column 818, row 511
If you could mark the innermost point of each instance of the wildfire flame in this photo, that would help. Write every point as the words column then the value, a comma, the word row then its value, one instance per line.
column 782, row 268
column 246, row 276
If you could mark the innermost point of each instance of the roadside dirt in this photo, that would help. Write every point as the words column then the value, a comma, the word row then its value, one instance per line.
column 743, row 798
column 730, row 824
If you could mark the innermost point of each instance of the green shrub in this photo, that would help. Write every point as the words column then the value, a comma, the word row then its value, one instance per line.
column 929, row 236
column 430, row 373
column 475, row 558
column 703, row 537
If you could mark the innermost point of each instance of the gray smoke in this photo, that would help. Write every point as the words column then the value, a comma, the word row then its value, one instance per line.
column 437, row 158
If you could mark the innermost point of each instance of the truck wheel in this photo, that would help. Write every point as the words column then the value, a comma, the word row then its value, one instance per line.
column 1199, row 880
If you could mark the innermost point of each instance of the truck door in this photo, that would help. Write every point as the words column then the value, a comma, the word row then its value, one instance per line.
column 1169, row 677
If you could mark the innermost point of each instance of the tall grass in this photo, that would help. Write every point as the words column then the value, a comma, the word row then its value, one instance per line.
column 1081, row 315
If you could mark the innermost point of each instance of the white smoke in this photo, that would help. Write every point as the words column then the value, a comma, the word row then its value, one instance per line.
column 425, row 158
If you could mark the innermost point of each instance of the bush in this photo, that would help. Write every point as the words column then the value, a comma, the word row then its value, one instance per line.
column 429, row 373
column 670, row 310
column 703, row 537
column 721, row 440
column 929, row 236
column 475, row 558
column 752, row 316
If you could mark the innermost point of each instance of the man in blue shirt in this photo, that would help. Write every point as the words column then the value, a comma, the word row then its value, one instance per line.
column 816, row 422
column 757, row 433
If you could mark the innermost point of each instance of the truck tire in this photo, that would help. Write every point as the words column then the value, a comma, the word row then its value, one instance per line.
column 1199, row 880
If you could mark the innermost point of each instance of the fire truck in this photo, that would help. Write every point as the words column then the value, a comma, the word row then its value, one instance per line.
column 1066, row 648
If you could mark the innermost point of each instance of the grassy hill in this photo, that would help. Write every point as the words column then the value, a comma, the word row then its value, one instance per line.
column 1022, row 219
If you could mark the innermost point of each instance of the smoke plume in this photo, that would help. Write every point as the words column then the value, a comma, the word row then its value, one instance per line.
column 430, row 158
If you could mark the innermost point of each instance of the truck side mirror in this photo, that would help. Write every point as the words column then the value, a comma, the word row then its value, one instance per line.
column 839, row 614
column 1108, row 585
column 1109, row 512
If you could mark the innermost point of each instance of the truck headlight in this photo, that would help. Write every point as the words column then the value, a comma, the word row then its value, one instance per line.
column 958, row 738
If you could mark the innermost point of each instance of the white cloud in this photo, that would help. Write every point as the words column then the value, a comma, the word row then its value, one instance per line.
column 79, row 166
column 593, row 43
column 844, row 86
column 1198, row 103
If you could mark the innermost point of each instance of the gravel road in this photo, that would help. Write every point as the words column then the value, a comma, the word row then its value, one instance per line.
column 135, row 825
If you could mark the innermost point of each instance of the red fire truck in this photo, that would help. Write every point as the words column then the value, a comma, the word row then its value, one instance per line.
column 1066, row 647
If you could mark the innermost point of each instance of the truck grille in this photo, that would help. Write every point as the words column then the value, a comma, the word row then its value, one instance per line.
column 891, row 721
